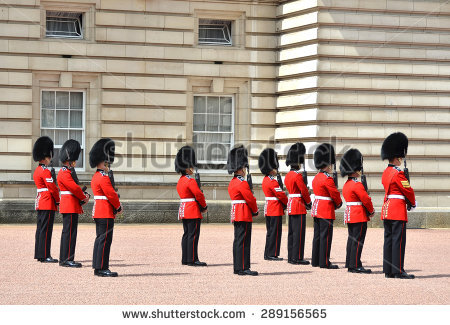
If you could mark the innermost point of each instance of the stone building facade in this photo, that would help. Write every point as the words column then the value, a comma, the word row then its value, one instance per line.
column 148, row 74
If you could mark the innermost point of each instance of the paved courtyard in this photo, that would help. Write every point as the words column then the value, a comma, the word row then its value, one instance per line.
column 148, row 259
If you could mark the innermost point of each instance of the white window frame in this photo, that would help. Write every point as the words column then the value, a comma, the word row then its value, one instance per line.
column 209, row 162
column 83, row 129
column 82, row 23
column 213, row 43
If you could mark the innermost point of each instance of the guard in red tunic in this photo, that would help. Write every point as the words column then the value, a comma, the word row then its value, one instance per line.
column 398, row 195
column 72, row 197
column 106, row 205
column 327, row 199
column 243, row 209
column 276, row 202
column 47, row 199
column 192, row 205
column 299, row 201
column 358, row 211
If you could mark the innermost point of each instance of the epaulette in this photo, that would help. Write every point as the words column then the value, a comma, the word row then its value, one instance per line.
column 298, row 171
column 44, row 167
column 355, row 180
column 103, row 173
column 326, row 174
column 239, row 177
column 188, row 176
column 397, row 168
column 272, row 177
column 64, row 168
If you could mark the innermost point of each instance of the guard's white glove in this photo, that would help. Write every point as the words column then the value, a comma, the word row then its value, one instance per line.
column 414, row 207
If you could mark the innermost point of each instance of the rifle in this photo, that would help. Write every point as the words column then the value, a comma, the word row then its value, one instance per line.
column 249, row 178
column 364, row 183
column 77, row 181
column 52, row 171
column 280, row 181
column 406, row 171
column 199, row 183
column 305, row 180
column 335, row 176
column 113, row 183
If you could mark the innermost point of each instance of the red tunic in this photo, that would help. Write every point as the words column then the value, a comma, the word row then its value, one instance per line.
column 395, row 183
column 105, row 197
column 327, row 197
column 276, row 199
column 296, row 187
column 239, row 190
column 70, row 203
column 191, row 197
column 48, row 194
column 354, row 191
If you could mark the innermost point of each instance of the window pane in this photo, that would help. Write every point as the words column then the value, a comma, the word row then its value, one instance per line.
column 226, row 137
column 212, row 123
column 62, row 99
column 76, row 100
column 76, row 119
column 213, row 105
column 214, row 32
column 199, row 151
column 64, row 24
column 55, row 161
column 76, row 135
column 48, row 99
column 225, row 123
column 61, row 136
column 49, row 133
column 80, row 161
column 48, row 118
column 200, row 104
column 62, row 119
column 199, row 122
column 225, row 105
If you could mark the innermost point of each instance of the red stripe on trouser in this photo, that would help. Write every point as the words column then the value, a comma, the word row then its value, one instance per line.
column 106, row 236
column 193, row 243
column 357, row 247
column 243, row 247
column 401, row 240
column 46, row 232
column 70, row 236
column 326, row 250
column 276, row 241
column 300, row 243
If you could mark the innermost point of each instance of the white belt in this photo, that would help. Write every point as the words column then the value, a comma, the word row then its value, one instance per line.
column 295, row 195
column 271, row 198
column 394, row 196
column 323, row 198
column 187, row 200
column 42, row 190
column 100, row 197
column 65, row 193
column 238, row 201
column 353, row 203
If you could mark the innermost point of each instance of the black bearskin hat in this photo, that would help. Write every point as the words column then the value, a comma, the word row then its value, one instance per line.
column 267, row 161
column 394, row 146
column 296, row 154
column 237, row 159
column 70, row 151
column 102, row 150
column 324, row 156
column 43, row 147
column 185, row 159
column 351, row 162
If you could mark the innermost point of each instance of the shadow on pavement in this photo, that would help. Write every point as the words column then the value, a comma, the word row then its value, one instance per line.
column 432, row 276
column 283, row 273
column 126, row 265
column 150, row 274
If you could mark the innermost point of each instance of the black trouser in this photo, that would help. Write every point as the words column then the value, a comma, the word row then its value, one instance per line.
column 321, row 246
column 355, row 243
column 44, row 230
column 394, row 246
column 296, row 236
column 189, row 242
column 241, row 245
column 102, row 246
column 273, row 236
column 68, row 237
